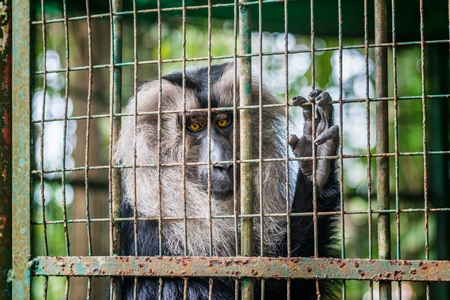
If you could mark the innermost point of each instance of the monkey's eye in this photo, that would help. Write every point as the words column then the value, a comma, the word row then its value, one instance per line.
column 195, row 127
column 223, row 123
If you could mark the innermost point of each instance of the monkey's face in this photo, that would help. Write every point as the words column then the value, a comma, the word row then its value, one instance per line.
column 219, row 177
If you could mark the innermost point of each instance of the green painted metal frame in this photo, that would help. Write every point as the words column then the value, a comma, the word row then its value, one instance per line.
column 21, row 179
column 382, row 140
column 115, row 108
column 246, row 136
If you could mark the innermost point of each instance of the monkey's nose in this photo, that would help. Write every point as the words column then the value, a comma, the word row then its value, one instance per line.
column 225, row 167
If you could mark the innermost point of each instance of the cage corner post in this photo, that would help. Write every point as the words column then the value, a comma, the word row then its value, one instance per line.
column 21, row 158
column 5, row 150
column 246, row 147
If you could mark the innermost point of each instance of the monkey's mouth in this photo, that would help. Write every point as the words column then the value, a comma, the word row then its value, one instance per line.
column 222, row 193
column 221, row 186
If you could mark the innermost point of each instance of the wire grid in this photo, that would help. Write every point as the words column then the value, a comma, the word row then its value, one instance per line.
column 94, row 269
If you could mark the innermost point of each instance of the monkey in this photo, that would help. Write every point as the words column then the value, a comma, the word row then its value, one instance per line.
column 164, row 152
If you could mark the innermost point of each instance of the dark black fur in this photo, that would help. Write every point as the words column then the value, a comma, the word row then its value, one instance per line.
column 302, row 243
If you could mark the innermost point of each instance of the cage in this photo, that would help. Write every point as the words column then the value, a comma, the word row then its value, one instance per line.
column 75, row 204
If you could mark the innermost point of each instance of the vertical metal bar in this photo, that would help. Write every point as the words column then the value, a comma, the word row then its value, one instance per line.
column 382, row 141
column 158, row 162
column 135, row 124
column 115, row 104
column 5, row 151
column 183, row 137
column 21, row 185
column 42, row 137
column 63, row 173
column 260, row 144
column 341, row 141
column 235, row 142
column 86, row 153
column 369, row 156
column 286, row 128
column 135, row 112
column 208, row 162
column 396, row 149
column 424, row 140
column 246, row 147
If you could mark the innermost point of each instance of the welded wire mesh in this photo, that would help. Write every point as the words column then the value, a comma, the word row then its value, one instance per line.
column 390, row 94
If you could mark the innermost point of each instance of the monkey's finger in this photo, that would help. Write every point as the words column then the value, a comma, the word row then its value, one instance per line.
column 300, row 146
column 300, row 101
column 322, row 172
column 304, row 150
column 321, row 98
column 323, row 166
column 331, row 133
column 312, row 97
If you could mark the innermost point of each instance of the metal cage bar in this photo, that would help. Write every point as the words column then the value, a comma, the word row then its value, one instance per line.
column 115, row 90
column 382, row 141
column 21, row 160
column 245, row 267
column 5, row 153
column 246, row 145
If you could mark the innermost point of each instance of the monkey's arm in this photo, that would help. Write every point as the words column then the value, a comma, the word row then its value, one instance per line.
column 325, row 141
column 304, row 236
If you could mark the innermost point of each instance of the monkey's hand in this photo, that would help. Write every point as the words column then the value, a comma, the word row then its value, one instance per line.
column 326, row 135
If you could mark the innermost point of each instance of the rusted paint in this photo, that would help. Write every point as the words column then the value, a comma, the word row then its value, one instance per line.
column 244, row 267
column 5, row 149
column 246, row 145
column 21, row 188
column 115, row 108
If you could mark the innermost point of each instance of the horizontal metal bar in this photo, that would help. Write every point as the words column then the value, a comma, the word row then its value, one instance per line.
column 231, row 109
column 224, row 57
column 345, row 156
column 238, row 267
column 353, row 212
column 152, row 10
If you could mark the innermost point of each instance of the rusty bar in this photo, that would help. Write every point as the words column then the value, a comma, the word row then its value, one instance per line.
column 5, row 150
column 87, row 138
column 115, row 106
column 396, row 138
column 341, row 142
column 246, row 147
column 369, row 156
column 21, row 186
column 42, row 138
column 235, row 141
column 183, row 123
column 241, row 267
column 63, row 165
column 424, row 140
column 382, row 141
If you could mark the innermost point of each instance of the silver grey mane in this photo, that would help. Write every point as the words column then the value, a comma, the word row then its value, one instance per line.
column 183, row 204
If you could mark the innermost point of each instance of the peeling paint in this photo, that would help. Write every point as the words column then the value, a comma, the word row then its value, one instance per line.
column 244, row 267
